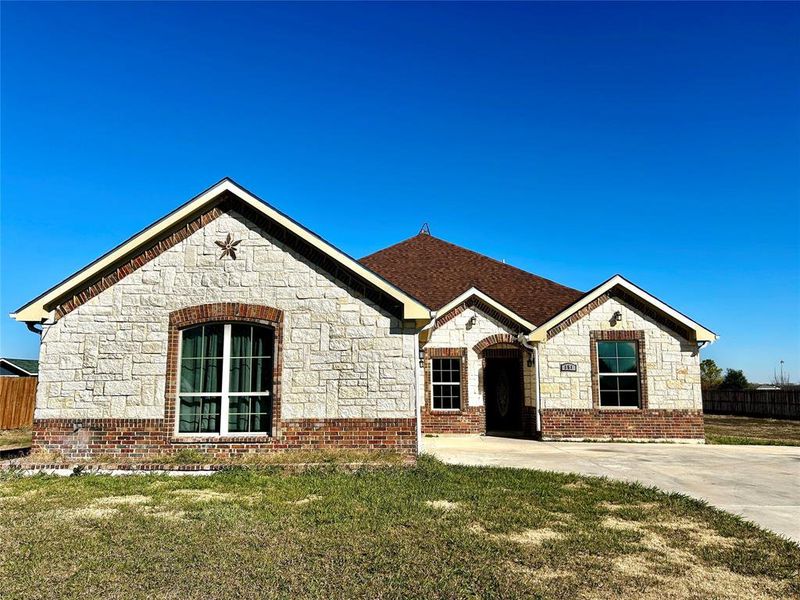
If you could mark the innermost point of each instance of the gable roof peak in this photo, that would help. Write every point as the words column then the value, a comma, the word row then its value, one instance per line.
column 42, row 307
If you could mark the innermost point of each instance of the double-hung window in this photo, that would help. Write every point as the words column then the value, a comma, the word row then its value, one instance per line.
column 618, row 371
column 446, row 382
column 225, row 379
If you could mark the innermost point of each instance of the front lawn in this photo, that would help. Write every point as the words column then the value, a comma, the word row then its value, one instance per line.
column 432, row 531
column 747, row 430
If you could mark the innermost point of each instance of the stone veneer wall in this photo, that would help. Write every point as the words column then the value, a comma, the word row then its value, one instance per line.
column 347, row 365
column 672, row 365
column 455, row 333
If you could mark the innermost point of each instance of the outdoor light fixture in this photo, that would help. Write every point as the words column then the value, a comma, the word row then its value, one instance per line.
column 472, row 320
column 421, row 358
column 616, row 318
column 530, row 359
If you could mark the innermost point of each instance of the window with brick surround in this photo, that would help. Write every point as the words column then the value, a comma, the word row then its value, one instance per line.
column 618, row 373
column 225, row 379
column 446, row 383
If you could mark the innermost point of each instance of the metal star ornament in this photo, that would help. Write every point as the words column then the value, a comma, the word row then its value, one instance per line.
column 228, row 247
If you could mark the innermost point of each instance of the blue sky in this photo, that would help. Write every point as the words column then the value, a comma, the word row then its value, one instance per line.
column 660, row 141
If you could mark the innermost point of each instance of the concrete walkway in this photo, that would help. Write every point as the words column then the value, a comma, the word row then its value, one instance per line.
column 760, row 483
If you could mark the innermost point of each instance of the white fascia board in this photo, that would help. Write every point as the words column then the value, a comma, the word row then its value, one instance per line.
column 473, row 291
column 35, row 310
column 702, row 334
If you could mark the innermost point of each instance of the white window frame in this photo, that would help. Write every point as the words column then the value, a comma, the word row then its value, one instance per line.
column 435, row 383
column 225, row 394
column 636, row 374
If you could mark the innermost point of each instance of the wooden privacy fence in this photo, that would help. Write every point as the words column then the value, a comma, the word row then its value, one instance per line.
column 17, row 398
column 774, row 404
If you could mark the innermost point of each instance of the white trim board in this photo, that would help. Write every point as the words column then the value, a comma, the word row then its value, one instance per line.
column 473, row 291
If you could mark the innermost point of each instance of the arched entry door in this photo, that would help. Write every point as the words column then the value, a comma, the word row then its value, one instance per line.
column 502, row 385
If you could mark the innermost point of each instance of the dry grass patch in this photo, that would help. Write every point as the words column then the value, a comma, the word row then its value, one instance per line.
column 576, row 485
column 444, row 505
column 204, row 495
column 692, row 579
column 133, row 499
column 526, row 537
column 168, row 515
column 306, row 500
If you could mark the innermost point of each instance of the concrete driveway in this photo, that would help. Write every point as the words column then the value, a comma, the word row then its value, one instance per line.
column 760, row 483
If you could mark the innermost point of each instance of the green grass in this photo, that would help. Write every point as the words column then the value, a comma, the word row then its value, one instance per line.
column 10, row 438
column 431, row 531
column 748, row 430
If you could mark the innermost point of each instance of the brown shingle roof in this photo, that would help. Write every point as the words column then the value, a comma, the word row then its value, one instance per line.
column 436, row 272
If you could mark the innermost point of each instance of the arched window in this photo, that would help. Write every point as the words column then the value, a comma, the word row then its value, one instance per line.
column 225, row 379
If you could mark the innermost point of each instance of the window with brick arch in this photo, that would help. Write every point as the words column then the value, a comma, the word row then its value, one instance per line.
column 225, row 379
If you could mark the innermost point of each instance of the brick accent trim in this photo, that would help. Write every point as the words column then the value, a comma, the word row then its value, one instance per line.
column 619, row 335
column 468, row 419
column 226, row 312
column 578, row 315
column 475, row 302
column 630, row 300
column 651, row 424
column 497, row 338
column 135, row 262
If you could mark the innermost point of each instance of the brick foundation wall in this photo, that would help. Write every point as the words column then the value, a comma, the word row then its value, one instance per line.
column 565, row 424
column 471, row 420
column 146, row 438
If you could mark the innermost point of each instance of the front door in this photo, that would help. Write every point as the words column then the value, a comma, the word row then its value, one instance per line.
column 503, row 392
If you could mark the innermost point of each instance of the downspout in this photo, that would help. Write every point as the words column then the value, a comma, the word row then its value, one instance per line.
column 538, row 392
column 421, row 382
column 523, row 341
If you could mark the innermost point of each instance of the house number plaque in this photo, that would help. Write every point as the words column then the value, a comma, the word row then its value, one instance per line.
column 569, row 367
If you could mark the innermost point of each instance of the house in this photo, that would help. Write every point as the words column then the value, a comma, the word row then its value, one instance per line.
column 227, row 327
column 18, row 367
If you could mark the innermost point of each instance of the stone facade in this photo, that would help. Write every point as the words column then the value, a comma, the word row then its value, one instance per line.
column 343, row 357
column 671, row 380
